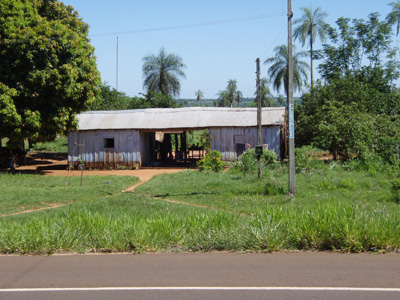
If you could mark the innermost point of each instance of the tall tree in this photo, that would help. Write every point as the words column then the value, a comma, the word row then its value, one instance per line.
column 266, row 96
column 48, row 71
column 105, row 100
column 358, row 45
column 356, row 109
column 162, row 73
column 310, row 26
column 395, row 14
column 199, row 95
column 230, row 95
column 278, row 71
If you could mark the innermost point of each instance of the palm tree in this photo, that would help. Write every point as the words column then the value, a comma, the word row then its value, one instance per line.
column 396, row 13
column 161, row 73
column 223, row 98
column 278, row 71
column 199, row 94
column 266, row 96
column 310, row 26
column 230, row 95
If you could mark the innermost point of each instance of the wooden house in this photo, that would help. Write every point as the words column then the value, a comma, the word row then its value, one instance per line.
column 144, row 136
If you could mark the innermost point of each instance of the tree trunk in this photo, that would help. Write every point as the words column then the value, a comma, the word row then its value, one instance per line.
column 312, row 63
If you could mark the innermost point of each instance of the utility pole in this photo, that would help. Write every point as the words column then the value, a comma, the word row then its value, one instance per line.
column 116, row 85
column 292, row 183
column 259, row 117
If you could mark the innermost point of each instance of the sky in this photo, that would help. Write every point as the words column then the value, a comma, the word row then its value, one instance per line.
column 218, row 40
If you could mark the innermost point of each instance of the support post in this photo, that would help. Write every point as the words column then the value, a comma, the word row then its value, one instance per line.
column 291, row 103
column 116, row 79
column 259, row 117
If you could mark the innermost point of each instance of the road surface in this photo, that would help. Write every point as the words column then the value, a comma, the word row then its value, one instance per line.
column 201, row 276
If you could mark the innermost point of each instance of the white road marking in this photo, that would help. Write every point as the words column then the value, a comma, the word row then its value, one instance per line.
column 200, row 288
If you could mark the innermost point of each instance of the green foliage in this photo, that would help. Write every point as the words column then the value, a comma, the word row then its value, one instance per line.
column 351, row 116
column 230, row 95
column 48, row 70
column 205, row 140
column 310, row 26
column 211, row 162
column 355, row 40
column 161, row 73
column 273, row 188
column 266, row 97
column 199, row 95
column 153, row 100
column 396, row 190
column 247, row 162
column 278, row 71
column 356, row 111
column 308, row 159
column 107, row 99
column 335, row 210
column 59, row 145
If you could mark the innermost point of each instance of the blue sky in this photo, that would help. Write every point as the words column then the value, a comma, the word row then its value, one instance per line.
column 213, row 53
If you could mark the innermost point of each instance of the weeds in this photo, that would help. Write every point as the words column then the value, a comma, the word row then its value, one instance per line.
column 349, row 211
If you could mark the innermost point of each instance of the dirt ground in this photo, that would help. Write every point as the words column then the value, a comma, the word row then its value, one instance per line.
column 59, row 168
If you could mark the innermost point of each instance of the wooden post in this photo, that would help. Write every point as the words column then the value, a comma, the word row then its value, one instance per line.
column 184, row 145
column 259, row 116
column 291, row 103
column 176, row 146
column 83, row 163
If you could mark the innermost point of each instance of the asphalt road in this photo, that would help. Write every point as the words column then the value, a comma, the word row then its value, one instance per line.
column 201, row 276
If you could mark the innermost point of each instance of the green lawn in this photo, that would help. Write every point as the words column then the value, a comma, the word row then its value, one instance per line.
column 24, row 192
column 332, row 210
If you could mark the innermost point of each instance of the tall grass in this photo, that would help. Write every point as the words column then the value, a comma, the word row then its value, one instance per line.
column 334, row 209
column 122, row 224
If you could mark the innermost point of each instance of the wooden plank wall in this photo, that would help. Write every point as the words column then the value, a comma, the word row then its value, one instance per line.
column 126, row 149
column 224, row 139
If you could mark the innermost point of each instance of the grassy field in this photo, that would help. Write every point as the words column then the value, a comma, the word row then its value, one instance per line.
column 24, row 192
column 333, row 210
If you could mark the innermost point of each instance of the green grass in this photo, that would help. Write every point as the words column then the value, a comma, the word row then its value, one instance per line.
column 332, row 210
column 24, row 192
column 59, row 145
column 247, row 194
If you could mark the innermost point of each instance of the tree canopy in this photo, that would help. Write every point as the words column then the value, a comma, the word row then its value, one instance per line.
column 266, row 96
column 162, row 73
column 356, row 109
column 310, row 26
column 278, row 71
column 48, row 72
column 230, row 95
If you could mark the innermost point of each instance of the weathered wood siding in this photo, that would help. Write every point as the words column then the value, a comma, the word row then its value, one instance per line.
column 126, row 150
column 224, row 139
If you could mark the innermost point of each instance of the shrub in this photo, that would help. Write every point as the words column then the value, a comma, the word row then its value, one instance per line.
column 396, row 190
column 247, row 162
column 307, row 159
column 211, row 162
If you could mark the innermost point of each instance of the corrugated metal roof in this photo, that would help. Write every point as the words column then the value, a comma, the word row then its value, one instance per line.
column 179, row 118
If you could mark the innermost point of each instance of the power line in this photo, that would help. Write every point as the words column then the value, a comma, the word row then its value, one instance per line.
column 202, row 24
column 279, row 36
column 165, row 28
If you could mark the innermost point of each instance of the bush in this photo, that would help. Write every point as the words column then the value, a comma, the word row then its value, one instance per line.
column 211, row 162
column 307, row 159
column 396, row 190
column 247, row 162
